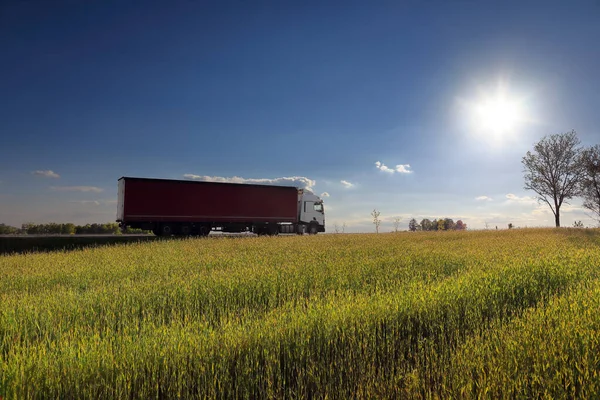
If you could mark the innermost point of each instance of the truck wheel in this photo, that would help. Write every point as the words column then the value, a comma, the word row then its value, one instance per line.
column 260, row 230
column 204, row 230
column 185, row 230
column 166, row 230
column 312, row 229
column 273, row 230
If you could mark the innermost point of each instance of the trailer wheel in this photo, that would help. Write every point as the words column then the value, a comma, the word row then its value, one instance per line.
column 166, row 230
column 204, row 230
column 185, row 230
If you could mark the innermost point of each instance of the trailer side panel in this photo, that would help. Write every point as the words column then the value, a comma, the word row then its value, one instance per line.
column 161, row 200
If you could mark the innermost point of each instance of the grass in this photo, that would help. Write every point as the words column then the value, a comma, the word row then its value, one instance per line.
column 419, row 315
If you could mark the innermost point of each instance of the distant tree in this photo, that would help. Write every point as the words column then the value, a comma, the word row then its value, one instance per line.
column 112, row 228
column 336, row 228
column 425, row 224
column 553, row 170
column 344, row 227
column 510, row 226
column 136, row 231
column 68, row 229
column 578, row 224
column 449, row 224
column 441, row 225
column 413, row 225
column 375, row 214
column 486, row 225
column 396, row 224
column 590, row 181
column 434, row 225
column 8, row 230
column 53, row 228
column 29, row 228
column 460, row 226
column 83, row 229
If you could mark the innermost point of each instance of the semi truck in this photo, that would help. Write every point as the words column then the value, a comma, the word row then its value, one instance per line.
column 182, row 207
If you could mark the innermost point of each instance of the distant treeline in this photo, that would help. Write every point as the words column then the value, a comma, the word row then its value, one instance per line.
column 442, row 224
column 66, row 229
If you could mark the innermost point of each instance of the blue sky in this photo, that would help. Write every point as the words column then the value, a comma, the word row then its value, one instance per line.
column 319, row 91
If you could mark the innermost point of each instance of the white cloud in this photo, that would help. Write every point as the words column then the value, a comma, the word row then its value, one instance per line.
column 346, row 183
column 569, row 208
column 324, row 194
column 383, row 167
column 403, row 168
column 92, row 189
column 565, row 209
column 297, row 181
column 483, row 198
column 46, row 173
column 400, row 168
column 95, row 202
column 104, row 202
column 524, row 199
column 540, row 210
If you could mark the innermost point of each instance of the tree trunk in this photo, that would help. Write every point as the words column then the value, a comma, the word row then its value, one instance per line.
column 557, row 219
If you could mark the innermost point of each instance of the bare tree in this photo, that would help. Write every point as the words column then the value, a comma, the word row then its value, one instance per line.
column 396, row 224
column 336, row 228
column 590, row 181
column 375, row 214
column 552, row 170
column 344, row 227
column 486, row 226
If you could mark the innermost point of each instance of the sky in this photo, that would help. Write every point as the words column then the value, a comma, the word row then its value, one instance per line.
column 417, row 109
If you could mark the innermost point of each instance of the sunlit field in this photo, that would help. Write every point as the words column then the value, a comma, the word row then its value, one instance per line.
column 407, row 315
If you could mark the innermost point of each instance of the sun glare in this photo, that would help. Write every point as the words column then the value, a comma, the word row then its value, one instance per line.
column 496, row 114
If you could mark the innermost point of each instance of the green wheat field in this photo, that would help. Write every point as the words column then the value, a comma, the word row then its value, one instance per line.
column 489, row 314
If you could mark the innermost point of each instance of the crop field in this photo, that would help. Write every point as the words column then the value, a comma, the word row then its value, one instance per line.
column 508, row 314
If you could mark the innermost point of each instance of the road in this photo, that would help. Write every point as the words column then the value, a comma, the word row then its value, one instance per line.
column 34, row 243
column 75, row 236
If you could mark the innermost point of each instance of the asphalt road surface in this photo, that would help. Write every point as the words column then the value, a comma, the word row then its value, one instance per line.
column 75, row 236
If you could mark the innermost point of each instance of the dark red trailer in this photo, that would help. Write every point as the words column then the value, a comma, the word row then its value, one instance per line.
column 196, row 207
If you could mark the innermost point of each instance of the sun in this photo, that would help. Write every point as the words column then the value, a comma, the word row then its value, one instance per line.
column 496, row 114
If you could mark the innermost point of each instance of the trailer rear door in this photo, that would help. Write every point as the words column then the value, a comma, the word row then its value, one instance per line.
column 121, row 200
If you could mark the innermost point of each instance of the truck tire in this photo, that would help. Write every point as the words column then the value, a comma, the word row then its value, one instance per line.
column 260, row 230
column 313, row 229
column 273, row 230
column 204, row 230
column 185, row 230
column 166, row 230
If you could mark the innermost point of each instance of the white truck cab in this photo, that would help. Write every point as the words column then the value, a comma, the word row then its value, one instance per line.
column 311, row 211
